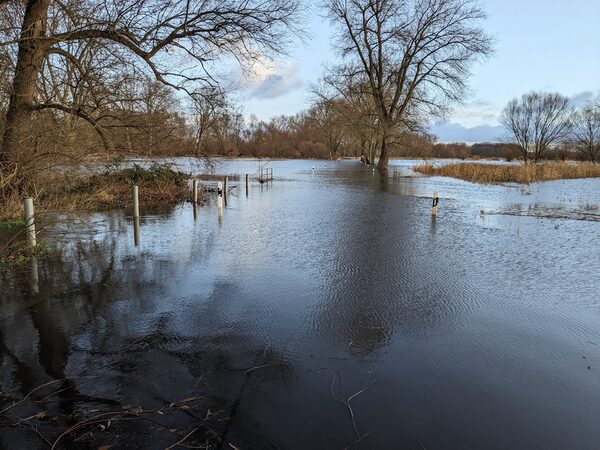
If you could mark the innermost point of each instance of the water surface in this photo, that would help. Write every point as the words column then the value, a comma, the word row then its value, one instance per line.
column 479, row 329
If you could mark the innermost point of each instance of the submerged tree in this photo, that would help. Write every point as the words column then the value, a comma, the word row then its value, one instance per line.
column 415, row 56
column 537, row 122
column 178, row 42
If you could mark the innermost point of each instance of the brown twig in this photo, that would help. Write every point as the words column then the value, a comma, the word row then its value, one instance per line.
column 93, row 420
column 49, row 383
column 360, row 439
column 348, row 400
column 30, row 394
column 182, row 439
column 356, row 394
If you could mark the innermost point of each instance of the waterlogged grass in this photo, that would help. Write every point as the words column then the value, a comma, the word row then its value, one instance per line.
column 517, row 173
column 158, row 184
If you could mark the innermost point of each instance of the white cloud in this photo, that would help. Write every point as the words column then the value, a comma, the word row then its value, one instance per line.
column 581, row 98
column 476, row 113
column 270, row 80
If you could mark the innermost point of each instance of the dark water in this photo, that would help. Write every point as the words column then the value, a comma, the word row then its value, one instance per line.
column 471, row 331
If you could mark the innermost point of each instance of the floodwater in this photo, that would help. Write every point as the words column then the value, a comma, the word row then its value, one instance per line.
column 325, row 310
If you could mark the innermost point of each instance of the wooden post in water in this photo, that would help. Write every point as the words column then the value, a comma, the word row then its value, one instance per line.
column 30, row 221
column 220, row 196
column 136, row 202
column 435, row 204
column 136, row 231
column 247, row 184
column 195, row 191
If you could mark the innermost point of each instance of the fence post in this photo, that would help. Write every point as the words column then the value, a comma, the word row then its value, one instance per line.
column 220, row 195
column 247, row 184
column 35, row 277
column 30, row 221
column 136, row 231
column 434, row 207
column 136, row 202
column 195, row 191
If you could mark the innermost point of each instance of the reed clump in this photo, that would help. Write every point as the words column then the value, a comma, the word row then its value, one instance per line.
column 512, row 173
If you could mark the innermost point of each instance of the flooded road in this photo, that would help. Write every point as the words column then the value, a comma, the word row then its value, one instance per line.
column 325, row 310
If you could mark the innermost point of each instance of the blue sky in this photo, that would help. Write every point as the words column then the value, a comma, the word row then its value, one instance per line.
column 550, row 45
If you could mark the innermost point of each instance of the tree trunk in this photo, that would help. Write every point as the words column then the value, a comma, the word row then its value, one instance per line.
column 382, row 165
column 199, row 139
column 32, row 51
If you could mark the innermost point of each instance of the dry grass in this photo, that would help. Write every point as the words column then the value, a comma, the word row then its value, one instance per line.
column 158, row 185
column 517, row 173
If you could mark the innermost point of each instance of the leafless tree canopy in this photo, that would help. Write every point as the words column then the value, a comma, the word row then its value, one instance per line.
column 586, row 131
column 415, row 55
column 82, row 57
column 537, row 122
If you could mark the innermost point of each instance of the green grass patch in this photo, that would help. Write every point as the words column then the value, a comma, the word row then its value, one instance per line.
column 15, row 224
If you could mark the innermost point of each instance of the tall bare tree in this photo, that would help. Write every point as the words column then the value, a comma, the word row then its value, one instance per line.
column 537, row 122
column 356, row 107
column 586, row 131
column 207, row 108
column 415, row 54
column 327, row 116
column 178, row 42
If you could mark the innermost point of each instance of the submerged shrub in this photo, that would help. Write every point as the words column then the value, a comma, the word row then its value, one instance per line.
column 156, row 173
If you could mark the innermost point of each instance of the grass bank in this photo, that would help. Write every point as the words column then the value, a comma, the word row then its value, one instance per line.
column 517, row 173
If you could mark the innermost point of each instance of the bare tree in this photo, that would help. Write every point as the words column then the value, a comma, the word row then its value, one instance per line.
column 414, row 54
column 207, row 108
column 537, row 122
column 177, row 42
column 356, row 106
column 327, row 117
column 586, row 131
